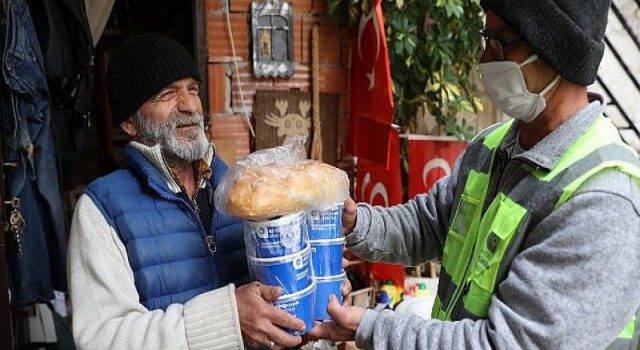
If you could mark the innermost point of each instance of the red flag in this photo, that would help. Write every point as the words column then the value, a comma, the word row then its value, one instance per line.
column 377, row 185
column 430, row 158
column 371, row 96
column 380, row 186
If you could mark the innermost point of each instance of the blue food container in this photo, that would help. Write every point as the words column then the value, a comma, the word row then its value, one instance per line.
column 301, row 305
column 274, row 238
column 326, row 255
column 291, row 272
column 325, row 286
column 325, row 224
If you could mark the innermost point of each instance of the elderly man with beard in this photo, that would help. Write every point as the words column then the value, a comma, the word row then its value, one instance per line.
column 152, row 264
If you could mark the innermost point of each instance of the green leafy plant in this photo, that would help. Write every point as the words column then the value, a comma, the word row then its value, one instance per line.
column 433, row 50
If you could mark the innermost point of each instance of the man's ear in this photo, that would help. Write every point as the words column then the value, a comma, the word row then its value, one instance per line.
column 129, row 127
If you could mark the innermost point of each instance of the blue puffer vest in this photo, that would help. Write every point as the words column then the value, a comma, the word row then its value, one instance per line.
column 164, row 236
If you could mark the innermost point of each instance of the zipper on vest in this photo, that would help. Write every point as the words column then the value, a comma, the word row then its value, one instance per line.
column 196, row 207
column 211, row 244
column 194, row 199
column 461, row 288
column 208, row 238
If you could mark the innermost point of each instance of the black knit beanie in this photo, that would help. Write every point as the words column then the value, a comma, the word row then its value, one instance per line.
column 568, row 35
column 142, row 66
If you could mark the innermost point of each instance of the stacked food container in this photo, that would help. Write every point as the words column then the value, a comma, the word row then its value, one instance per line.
column 276, row 191
column 279, row 254
column 327, row 243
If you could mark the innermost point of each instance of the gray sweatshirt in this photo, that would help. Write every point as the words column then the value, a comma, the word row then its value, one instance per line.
column 574, row 285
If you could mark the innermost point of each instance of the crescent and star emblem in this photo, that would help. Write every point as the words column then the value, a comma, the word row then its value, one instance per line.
column 433, row 164
column 378, row 189
column 371, row 16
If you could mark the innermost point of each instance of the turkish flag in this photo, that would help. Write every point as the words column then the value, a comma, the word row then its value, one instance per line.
column 430, row 158
column 371, row 97
column 377, row 185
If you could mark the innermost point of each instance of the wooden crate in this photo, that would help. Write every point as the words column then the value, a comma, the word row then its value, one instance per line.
column 363, row 297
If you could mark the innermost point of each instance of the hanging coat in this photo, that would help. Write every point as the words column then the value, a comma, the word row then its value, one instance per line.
column 38, row 265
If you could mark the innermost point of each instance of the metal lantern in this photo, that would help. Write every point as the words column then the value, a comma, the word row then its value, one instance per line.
column 272, row 32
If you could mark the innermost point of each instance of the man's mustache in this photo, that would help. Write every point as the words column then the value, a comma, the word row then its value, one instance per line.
column 186, row 119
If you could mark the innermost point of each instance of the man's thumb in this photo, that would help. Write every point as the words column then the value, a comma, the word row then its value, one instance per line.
column 333, row 308
column 270, row 293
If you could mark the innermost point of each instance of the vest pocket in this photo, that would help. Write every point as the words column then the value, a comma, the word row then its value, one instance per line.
column 456, row 237
column 497, row 228
column 465, row 223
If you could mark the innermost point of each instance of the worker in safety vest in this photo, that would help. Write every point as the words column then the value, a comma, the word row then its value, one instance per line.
column 538, row 225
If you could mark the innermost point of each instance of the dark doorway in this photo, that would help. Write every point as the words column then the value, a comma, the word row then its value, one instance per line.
column 103, row 151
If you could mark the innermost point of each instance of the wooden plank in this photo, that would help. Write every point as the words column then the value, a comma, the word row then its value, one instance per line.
column 200, row 50
column 227, row 150
column 329, row 114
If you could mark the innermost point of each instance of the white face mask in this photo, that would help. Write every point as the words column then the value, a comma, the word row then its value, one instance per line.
column 505, row 85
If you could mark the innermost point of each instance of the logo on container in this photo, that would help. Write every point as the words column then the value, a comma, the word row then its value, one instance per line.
column 262, row 232
column 298, row 263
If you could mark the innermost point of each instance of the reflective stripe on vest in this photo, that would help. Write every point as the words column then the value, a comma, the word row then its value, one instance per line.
column 485, row 234
column 629, row 338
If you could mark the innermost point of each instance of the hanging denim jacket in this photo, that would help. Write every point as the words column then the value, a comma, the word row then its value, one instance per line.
column 39, row 267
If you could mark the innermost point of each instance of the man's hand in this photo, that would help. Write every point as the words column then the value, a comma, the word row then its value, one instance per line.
column 343, row 327
column 349, row 216
column 259, row 319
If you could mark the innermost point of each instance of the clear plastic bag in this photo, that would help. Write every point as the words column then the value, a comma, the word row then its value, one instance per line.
column 277, row 181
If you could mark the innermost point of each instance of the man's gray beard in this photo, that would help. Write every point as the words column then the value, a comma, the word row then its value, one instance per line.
column 191, row 147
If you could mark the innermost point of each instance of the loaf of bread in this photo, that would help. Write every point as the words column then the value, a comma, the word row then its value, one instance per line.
column 257, row 193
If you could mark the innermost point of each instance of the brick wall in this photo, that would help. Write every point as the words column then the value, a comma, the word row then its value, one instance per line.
column 228, row 103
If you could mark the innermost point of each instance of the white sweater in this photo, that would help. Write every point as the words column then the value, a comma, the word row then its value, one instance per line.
column 106, row 310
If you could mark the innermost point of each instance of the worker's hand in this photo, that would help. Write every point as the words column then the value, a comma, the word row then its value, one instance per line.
column 348, row 263
column 343, row 327
column 346, row 290
column 259, row 319
column 349, row 216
